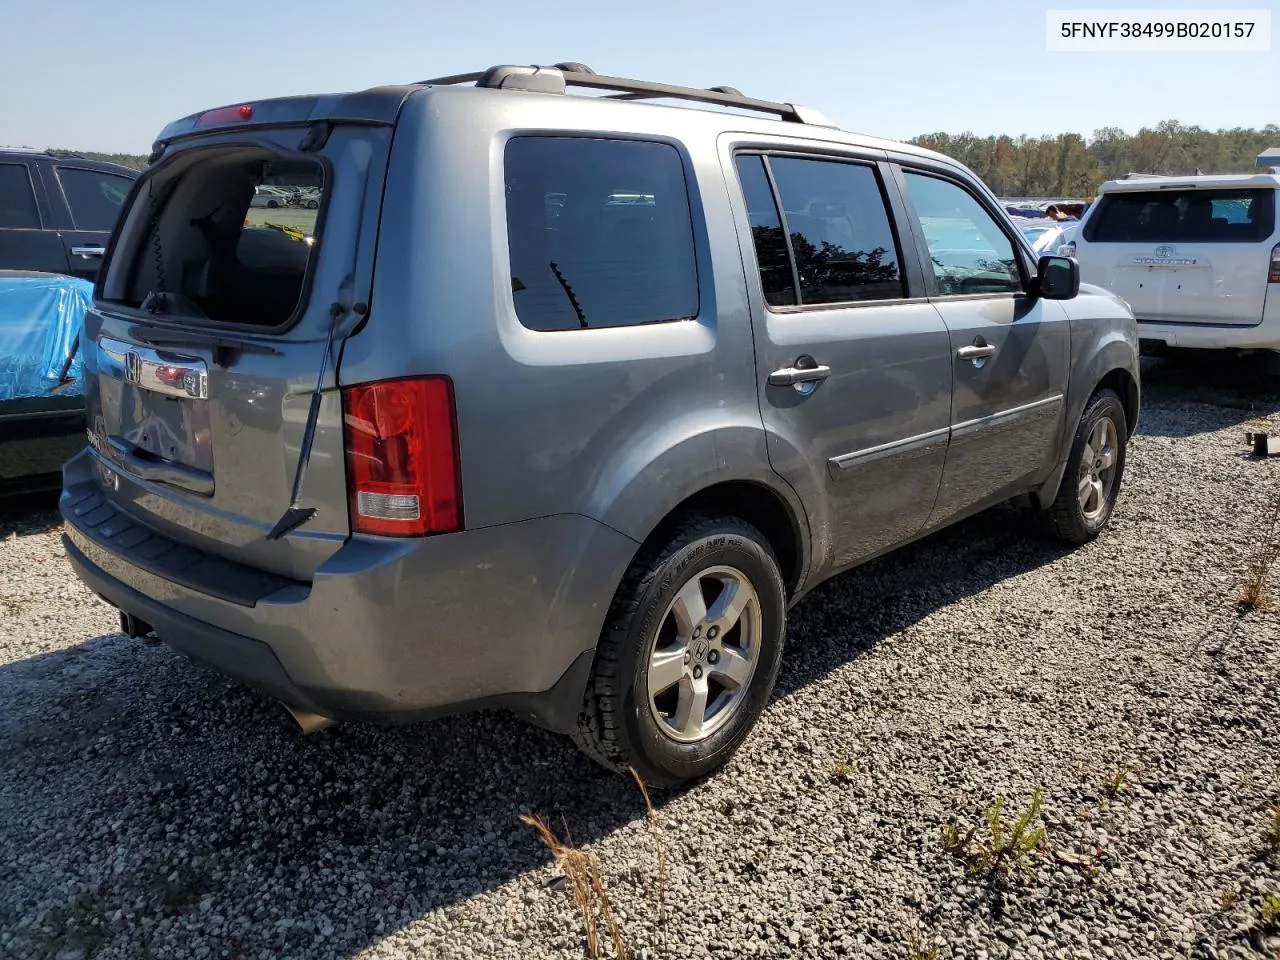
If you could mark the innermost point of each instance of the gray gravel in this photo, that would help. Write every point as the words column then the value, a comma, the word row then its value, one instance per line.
column 149, row 808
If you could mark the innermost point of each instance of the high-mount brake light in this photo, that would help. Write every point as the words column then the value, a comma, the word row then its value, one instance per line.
column 214, row 118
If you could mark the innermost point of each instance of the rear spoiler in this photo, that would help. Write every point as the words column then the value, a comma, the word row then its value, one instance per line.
column 379, row 106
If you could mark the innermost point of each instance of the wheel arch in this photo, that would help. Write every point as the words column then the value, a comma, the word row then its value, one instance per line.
column 1126, row 387
column 1113, row 369
column 766, row 508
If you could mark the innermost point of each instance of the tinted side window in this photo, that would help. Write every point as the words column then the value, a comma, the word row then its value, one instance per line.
column 766, row 233
column 839, row 228
column 969, row 252
column 599, row 233
column 1189, row 216
column 17, row 199
column 95, row 198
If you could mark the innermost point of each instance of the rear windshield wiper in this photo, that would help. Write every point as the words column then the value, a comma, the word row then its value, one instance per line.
column 573, row 297
column 165, row 337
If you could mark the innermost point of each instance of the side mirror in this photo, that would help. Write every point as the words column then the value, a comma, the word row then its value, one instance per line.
column 1058, row 278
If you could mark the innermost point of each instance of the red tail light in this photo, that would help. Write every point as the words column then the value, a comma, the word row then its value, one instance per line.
column 1273, row 275
column 402, row 457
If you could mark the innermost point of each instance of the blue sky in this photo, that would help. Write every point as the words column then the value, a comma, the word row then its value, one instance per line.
column 108, row 75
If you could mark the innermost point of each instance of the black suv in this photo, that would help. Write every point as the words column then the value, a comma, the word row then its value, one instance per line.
column 56, row 212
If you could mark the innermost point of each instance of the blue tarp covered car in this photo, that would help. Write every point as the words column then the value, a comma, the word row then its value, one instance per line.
column 41, row 407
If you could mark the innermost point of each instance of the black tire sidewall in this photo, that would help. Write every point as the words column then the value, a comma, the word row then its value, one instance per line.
column 656, row 757
column 1104, row 404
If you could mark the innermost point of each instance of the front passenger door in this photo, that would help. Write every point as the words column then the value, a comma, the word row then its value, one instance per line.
column 1010, row 350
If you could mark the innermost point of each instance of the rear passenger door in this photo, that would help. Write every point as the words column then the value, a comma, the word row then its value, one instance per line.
column 94, row 198
column 24, row 243
column 853, row 364
column 1010, row 350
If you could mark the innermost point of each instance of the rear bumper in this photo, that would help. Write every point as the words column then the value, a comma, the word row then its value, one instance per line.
column 1207, row 336
column 388, row 630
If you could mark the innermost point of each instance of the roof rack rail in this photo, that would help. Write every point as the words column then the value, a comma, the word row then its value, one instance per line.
column 555, row 79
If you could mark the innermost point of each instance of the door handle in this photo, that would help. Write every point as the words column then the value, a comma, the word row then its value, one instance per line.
column 976, row 352
column 792, row 375
column 88, row 251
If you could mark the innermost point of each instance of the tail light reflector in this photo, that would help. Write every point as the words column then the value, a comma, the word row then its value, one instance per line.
column 1273, row 274
column 402, row 457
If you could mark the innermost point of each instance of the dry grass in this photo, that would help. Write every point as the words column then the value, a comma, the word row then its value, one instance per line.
column 842, row 771
column 1003, row 849
column 921, row 947
column 1116, row 783
column 1228, row 899
column 581, row 871
column 585, row 879
column 1253, row 595
column 1271, row 834
column 655, row 829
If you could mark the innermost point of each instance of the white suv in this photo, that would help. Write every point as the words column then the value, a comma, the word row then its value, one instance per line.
column 1197, row 258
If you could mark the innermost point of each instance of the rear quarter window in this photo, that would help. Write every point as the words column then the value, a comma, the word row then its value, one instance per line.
column 599, row 233
column 1183, row 216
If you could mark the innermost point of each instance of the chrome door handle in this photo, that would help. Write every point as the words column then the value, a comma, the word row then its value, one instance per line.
column 791, row 375
column 89, row 251
column 975, row 352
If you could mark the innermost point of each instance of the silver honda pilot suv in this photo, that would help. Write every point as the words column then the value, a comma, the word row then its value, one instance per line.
column 558, row 402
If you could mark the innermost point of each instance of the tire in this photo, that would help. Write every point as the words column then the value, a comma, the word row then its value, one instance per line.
column 313, row 204
column 634, row 718
column 1072, row 518
column 273, row 204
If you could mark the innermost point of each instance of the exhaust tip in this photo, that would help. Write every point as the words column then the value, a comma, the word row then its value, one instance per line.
column 307, row 721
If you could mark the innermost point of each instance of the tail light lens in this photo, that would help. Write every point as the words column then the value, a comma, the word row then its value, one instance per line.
column 1273, row 274
column 402, row 457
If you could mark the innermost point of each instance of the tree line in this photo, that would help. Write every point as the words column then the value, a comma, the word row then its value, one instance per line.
column 1069, row 165
column 1066, row 165
column 135, row 161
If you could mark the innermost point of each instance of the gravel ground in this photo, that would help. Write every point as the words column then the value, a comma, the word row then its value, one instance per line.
column 152, row 809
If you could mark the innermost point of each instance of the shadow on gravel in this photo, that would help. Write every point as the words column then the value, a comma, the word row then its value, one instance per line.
column 184, row 809
column 28, row 513
column 1226, row 390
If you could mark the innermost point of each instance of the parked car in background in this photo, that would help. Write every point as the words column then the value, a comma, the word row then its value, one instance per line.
column 1045, row 236
column 42, row 420
column 564, row 455
column 57, row 212
column 267, row 196
column 1198, row 258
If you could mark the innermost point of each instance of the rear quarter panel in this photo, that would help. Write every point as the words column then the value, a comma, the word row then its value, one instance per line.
column 616, row 424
